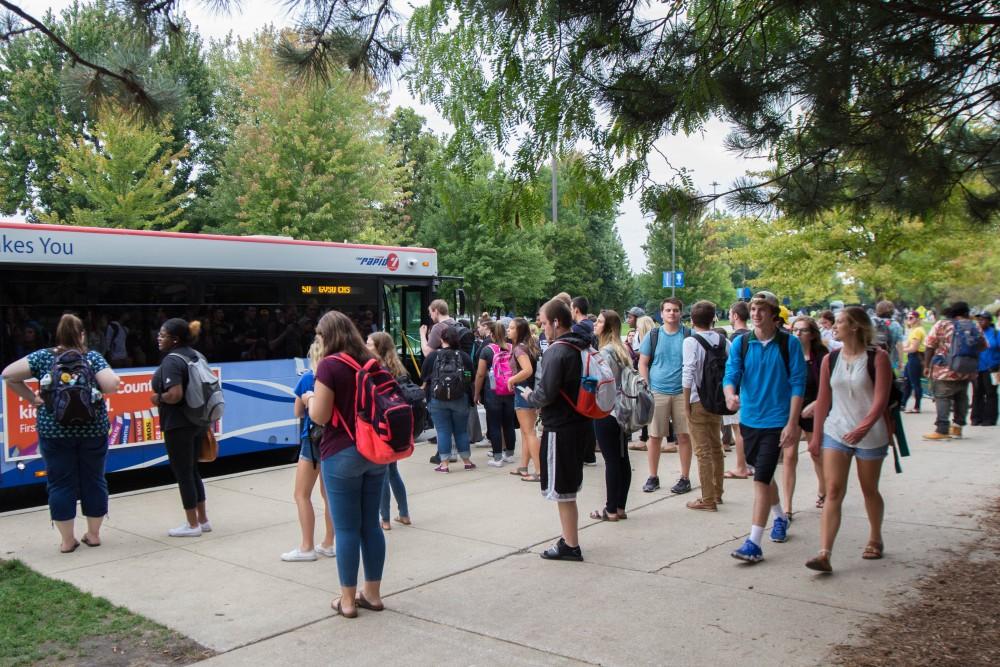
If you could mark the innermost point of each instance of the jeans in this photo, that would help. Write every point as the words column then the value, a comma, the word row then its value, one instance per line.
column 500, row 423
column 913, row 373
column 706, row 438
column 393, row 479
column 984, row 400
column 354, row 489
column 183, row 445
column 75, row 470
column 951, row 397
column 451, row 420
column 617, row 467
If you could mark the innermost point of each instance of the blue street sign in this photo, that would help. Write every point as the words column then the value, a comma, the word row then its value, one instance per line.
column 743, row 293
column 678, row 280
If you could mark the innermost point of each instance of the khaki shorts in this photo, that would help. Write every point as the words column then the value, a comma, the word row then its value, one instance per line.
column 668, row 407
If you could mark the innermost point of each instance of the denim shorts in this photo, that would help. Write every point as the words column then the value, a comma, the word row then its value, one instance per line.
column 870, row 454
column 520, row 403
column 305, row 451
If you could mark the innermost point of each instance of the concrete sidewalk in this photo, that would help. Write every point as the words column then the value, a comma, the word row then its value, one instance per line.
column 464, row 585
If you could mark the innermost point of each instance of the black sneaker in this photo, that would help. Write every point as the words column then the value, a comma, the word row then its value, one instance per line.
column 652, row 484
column 683, row 485
column 435, row 459
column 562, row 551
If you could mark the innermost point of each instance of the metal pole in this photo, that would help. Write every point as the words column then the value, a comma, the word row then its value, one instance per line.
column 673, row 258
column 555, row 191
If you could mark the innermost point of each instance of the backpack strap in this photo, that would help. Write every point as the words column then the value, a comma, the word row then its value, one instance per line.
column 782, row 337
column 654, row 339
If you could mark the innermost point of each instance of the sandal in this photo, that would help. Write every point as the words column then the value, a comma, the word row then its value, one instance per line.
column 363, row 602
column 911, row 411
column 602, row 515
column 638, row 447
column 335, row 605
column 820, row 501
column 873, row 551
column 70, row 550
column 470, row 466
column 386, row 525
column 405, row 520
column 820, row 563
column 86, row 540
column 442, row 468
column 531, row 478
column 730, row 474
column 519, row 471
column 622, row 516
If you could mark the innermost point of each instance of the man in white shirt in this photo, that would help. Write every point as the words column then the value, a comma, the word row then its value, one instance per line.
column 825, row 322
column 705, row 426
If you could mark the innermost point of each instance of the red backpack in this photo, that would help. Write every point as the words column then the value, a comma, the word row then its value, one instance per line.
column 383, row 420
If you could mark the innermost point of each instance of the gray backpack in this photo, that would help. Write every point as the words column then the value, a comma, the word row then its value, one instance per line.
column 634, row 404
column 203, row 400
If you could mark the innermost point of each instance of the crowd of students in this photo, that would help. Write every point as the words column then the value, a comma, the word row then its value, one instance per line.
column 766, row 386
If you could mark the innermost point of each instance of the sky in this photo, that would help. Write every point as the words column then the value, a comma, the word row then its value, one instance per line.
column 702, row 155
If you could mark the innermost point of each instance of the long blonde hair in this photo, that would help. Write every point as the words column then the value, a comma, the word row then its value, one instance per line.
column 611, row 335
column 385, row 350
column 315, row 354
column 643, row 326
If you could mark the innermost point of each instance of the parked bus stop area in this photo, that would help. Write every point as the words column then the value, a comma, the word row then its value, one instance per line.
column 465, row 585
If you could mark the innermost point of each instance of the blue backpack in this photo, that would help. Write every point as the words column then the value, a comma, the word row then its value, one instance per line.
column 963, row 354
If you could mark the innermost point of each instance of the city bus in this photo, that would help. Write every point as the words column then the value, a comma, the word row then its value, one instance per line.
column 258, row 299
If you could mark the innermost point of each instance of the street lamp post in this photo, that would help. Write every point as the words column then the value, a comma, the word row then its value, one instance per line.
column 673, row 259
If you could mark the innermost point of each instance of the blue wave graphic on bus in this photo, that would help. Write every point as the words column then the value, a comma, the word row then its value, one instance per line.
column 259, row 397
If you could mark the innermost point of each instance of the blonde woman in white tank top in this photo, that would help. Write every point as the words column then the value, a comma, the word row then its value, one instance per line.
column 851, row 422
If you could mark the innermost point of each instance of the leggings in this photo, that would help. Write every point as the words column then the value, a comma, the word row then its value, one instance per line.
column 392, row 479
column 913, row 372
column 183, row 445
column 500, row 423
column 617, row 468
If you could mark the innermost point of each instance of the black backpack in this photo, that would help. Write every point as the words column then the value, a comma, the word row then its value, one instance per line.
column 70, row 390
column 448, row 377
column 414, row 395
column 883, row 334
column 466, row 338
column 713, row 372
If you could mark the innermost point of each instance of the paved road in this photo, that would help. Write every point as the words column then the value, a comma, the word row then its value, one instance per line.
column 464, row 585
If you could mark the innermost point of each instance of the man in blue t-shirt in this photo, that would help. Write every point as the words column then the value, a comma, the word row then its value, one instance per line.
column 662, row 367
column 766, row 383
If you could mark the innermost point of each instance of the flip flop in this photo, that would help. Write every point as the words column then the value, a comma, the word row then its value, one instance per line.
column 729, row 474
column 531, row 478
column 335, row 605
column 363, row 602
column 71, row 550
column 873, row 551
column 89, row 543
column 519, row 471
column 602, row 515
column 405, row 520
column 638, row 447
column 386, row 525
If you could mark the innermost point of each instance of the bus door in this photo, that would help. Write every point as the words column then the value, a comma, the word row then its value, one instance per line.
column 404, row 307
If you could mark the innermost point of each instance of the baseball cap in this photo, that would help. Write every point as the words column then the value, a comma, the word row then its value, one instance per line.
column 768, row 298
column 636, row 311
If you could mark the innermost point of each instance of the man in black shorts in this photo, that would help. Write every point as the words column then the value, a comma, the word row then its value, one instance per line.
column 564, row 429
column 769, row 372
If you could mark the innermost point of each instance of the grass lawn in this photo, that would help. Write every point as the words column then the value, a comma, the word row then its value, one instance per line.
column 45, row 621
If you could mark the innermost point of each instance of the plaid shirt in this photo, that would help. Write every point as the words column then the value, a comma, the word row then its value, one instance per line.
column 939, row 340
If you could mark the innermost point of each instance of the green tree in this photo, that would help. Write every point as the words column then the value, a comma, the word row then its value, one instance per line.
column 41, row 106
column 123, row 177
column 307, row 160
column 880, row 254
column 699, row 246
column 504, row 266
column 858, row 103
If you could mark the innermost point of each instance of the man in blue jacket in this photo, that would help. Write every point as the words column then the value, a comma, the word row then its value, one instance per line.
column 765, row 380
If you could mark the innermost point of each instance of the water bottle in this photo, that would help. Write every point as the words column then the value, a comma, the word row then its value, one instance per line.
column 493, row 380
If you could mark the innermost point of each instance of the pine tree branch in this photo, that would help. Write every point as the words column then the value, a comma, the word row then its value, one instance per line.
column 130, row 85
column 946, row 18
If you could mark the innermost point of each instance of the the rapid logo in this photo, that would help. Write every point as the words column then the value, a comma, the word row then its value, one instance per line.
column 390, row 261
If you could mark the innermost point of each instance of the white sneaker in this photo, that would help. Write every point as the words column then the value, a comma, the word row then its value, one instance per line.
column 329, row 553
column 185, row 531
column 206, row 527
column 495, row 463
column 508, row 458
column 296, row 555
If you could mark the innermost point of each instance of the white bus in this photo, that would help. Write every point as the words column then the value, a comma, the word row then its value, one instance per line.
column 258, row 299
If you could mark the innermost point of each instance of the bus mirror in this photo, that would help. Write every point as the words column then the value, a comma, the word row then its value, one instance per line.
column 460, row 301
